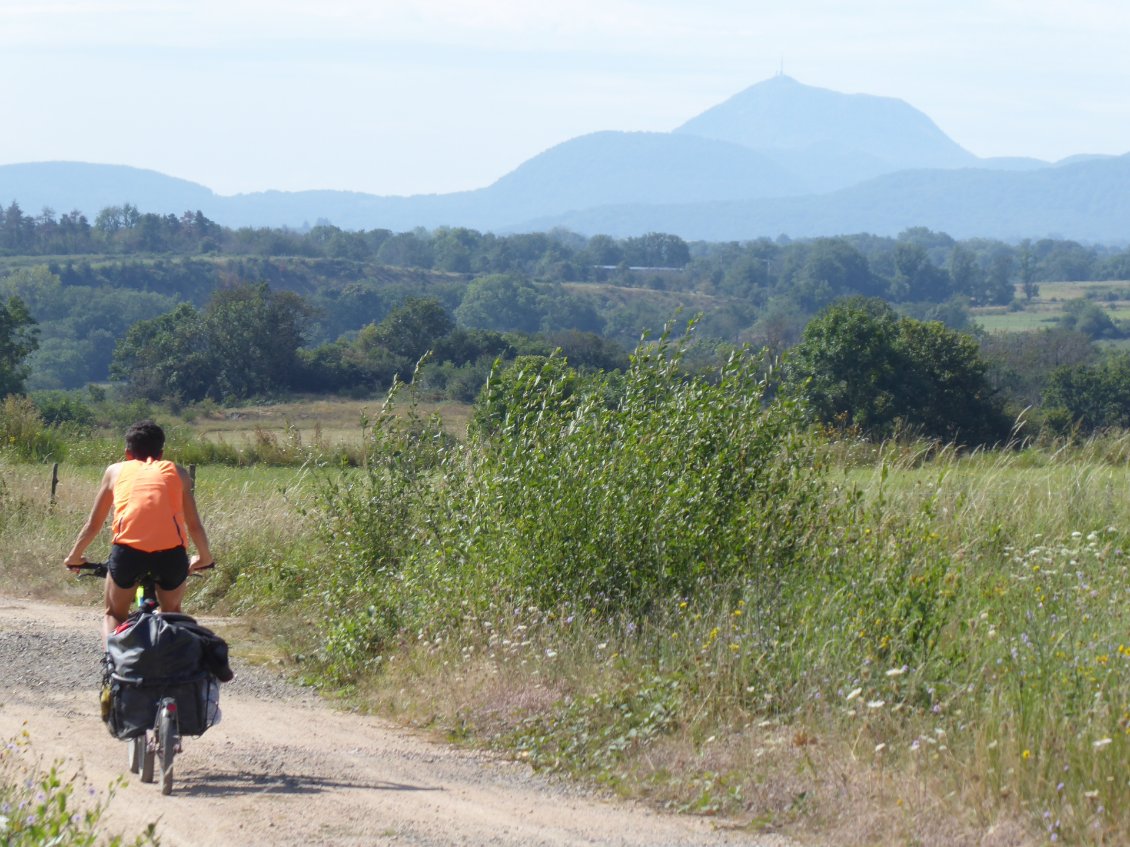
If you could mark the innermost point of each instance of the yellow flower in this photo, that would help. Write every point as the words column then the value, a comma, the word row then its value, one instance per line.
column 1026, row 755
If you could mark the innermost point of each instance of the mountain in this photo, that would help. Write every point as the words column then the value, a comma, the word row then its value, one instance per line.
column 777, row 158
column 1087, row 200
column 66, row 186
column 837, row 139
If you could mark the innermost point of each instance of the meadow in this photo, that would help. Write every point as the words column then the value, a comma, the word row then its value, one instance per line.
column 734, row 615
column 1045, row 310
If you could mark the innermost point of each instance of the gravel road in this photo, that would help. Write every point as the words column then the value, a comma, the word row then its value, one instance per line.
column 285, row 768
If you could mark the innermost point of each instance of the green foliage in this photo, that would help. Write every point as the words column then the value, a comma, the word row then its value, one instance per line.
column 593, row 735
column 60, row 407
column 39, row 808
column 683, row 480
column 1089, row 397
column 17, row 342
column 23, row 433
column 500, row 302
column 242, row 345
column 1090, row 319
column 862, row 366
column 370, row 520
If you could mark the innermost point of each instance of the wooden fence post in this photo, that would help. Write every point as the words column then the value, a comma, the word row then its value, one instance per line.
column 54, row 481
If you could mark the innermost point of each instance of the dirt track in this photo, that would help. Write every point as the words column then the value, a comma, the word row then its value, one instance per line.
column 284, row 768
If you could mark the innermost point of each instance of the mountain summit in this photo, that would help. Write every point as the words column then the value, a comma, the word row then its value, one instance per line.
column 839, row 138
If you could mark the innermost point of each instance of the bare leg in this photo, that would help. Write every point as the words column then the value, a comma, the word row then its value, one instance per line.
column 170, row 600
column 117, row 606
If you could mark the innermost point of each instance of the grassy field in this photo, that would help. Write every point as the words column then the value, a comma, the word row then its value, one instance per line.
column 1047, row 307
column 330, row 422
column 953, row 667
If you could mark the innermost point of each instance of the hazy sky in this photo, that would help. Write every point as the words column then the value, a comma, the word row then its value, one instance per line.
column 421, row 96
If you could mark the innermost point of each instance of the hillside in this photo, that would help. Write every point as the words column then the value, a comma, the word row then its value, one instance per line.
column 1087, row 200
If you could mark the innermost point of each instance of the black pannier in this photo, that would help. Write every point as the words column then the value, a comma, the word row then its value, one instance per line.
column 163, row 655
column 133, row 705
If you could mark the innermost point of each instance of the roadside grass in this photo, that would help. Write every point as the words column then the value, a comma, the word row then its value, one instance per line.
column 949, row 665
column 39, row 805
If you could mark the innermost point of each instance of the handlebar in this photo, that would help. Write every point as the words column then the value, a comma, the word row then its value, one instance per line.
column 99, row 569
column 90, row 569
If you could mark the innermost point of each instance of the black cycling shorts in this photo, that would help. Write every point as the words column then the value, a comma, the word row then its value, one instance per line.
column 168, row 568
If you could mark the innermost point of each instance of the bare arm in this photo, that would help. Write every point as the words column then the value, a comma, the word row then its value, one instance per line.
column 103, row 500
column 195, row 526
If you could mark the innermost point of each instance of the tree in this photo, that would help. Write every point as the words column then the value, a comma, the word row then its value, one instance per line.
column 833, row 269
column 413, row 327
column 657, row 250
column 916, row 277
column 1087, row 398
column 1088, row 318
column 17, row 341
column 245, row 343
column 500, row 302
column 862, row 366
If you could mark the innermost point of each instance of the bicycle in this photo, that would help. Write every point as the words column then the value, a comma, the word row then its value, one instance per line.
column 160, row 743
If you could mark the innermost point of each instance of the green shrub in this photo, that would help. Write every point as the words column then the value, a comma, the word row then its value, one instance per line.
column 684, row 482
column 23, row 431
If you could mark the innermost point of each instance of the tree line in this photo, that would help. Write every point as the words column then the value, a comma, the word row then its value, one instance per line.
column 212, row 323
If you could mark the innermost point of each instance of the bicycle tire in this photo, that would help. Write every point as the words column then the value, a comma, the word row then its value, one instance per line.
column 136, row 751
column 147, row 759
column 167, row 747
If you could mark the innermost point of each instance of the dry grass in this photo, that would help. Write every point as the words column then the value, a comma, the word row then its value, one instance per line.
column 816, row 782
column 329, row 422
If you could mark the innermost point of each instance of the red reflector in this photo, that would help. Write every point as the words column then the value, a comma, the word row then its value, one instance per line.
column 172, row 707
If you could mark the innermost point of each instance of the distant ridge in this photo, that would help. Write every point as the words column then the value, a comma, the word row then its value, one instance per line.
column 778, row 158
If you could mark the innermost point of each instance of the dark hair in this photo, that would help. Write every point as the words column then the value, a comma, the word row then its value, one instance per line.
column 145, row 440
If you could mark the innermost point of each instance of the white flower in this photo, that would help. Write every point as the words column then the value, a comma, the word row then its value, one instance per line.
column 1102, row 742
column 876, row 704
column 855, row 692
column 879, row 748
column 897, row 671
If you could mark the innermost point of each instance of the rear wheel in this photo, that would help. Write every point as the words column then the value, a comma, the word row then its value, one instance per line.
column 167, row 745
column 147, row 757
column 136, row 749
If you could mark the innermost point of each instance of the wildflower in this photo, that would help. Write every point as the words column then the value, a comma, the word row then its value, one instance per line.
column 855, row 692
column 876, row 704
column 1026, row 755
column 879, row 748
column 1101, row 743
column 897, row 671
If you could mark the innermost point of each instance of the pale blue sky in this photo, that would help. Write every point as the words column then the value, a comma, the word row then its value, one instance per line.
column 421, row 96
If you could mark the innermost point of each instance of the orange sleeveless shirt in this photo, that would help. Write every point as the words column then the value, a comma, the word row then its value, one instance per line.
column 149, row 506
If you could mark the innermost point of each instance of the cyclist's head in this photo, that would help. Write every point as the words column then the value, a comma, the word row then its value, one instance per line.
column 145, row 440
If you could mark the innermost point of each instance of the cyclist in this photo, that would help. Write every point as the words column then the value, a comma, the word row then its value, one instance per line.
column 154, row 516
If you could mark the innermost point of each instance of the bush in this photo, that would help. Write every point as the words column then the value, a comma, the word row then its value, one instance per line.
column 23, row 431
